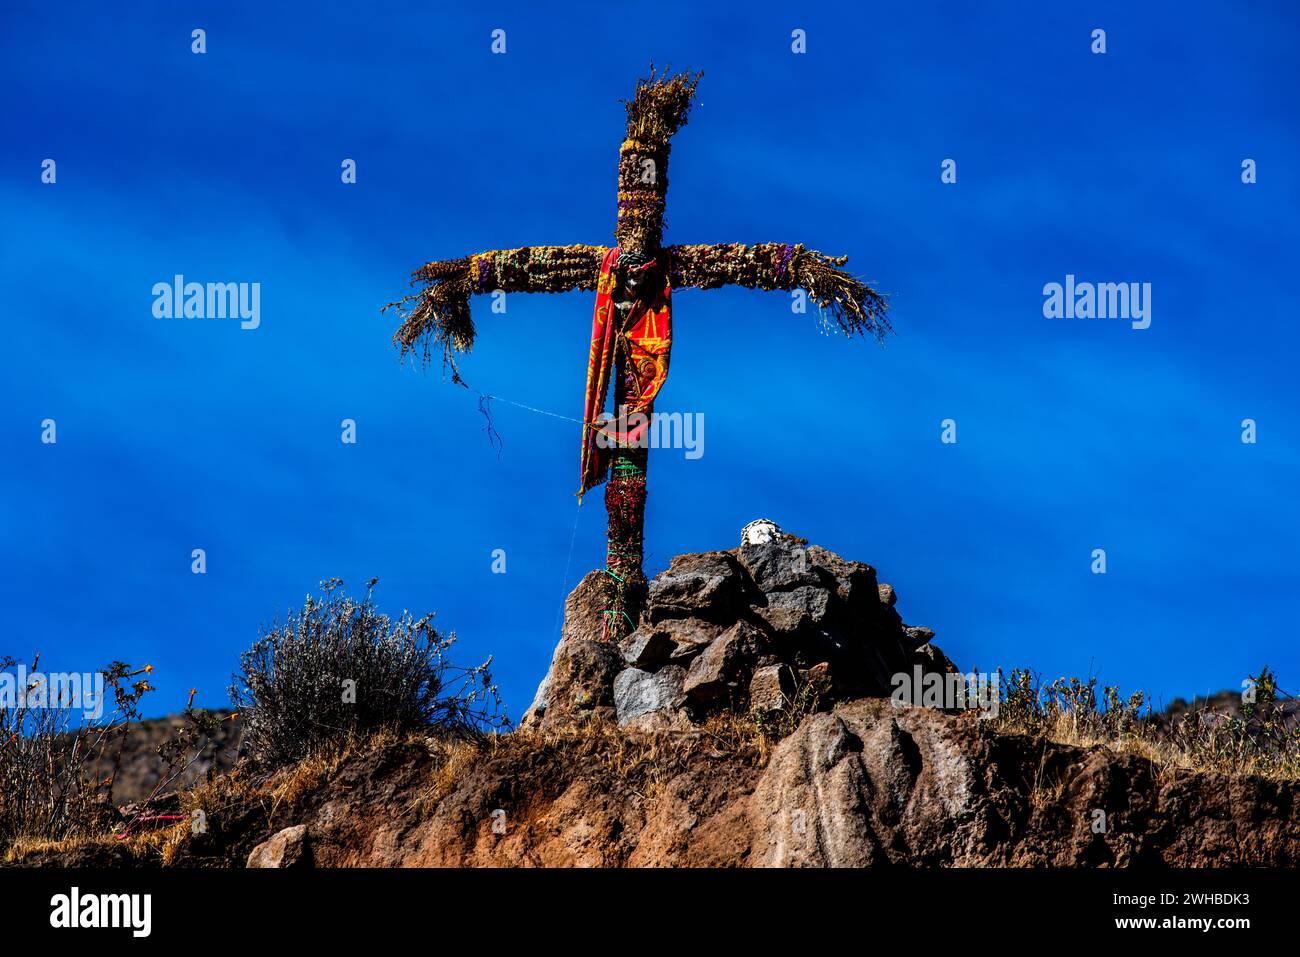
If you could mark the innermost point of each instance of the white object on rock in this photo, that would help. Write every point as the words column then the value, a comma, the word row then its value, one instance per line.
column 759, row 532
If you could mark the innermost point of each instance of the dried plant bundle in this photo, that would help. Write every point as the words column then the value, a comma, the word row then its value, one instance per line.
column 438, row 314
column 658, row 109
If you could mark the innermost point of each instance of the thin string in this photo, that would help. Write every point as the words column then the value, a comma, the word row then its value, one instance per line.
column 577, row 514
column 530, row 408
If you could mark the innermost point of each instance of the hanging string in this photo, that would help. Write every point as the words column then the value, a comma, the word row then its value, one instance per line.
column 485, row 401
column 494, row 437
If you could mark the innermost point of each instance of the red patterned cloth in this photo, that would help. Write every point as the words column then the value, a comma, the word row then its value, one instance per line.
column 646, row 338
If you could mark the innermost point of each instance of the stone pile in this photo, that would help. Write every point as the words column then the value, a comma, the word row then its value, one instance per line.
column 772, row 625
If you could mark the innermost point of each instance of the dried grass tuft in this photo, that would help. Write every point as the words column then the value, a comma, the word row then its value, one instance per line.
column 660, row 106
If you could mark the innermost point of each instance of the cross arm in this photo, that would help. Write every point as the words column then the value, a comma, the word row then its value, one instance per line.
column 855, row 306
column 438, row 312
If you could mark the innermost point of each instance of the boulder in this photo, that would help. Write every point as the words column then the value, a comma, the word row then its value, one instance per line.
column 584, row 610
column 790, row 612
column 778, row 564
column 579, row 682
column 637, row 693
column 690, row 636
column 854, row 582
column 917, row 636
column 707, row 585
column 820, row 682
column 725, row 665
column 888, row 596
column 647, row 648
column 771, row 688
column 288, row 848
column 931, row 659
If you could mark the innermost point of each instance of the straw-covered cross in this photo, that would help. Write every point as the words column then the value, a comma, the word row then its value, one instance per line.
column 632, row 325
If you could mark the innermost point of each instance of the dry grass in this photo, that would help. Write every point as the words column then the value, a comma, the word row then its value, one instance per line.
column 242, row 803
column 643, row 762
column 1047, row 788
column 452, row 759
column 660, row 106
column 1262, row 737
column 27, row 847
column 309, row 774
column 144, row 848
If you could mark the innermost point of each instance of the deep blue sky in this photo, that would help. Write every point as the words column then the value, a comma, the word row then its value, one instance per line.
column 1072, row 435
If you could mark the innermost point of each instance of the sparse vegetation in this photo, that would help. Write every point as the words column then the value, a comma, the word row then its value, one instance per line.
column 61, row 757
column 339, row 668
column 775, row 725
column 340, row 691
column 48, row 743
column 1259, row 735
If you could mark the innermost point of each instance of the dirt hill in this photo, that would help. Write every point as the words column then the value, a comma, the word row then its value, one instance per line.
column 745, row 722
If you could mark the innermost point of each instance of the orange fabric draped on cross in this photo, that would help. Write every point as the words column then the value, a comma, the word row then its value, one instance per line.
column 646, row 338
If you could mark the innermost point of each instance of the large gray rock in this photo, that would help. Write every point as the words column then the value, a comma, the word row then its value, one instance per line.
column 917, row 636
column 820, row 682
column 933, row 660
column 691, row 636
column 708, row 585
column 638, row 693
column 778, row 564
column 726, row 665
column 675, row 640
column 647, row 648
column 870, row 785
column 790, row 612
column 855, row 583
column 579, row 683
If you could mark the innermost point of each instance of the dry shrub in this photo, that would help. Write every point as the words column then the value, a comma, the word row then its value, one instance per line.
column 47, row 750
column 339, row 670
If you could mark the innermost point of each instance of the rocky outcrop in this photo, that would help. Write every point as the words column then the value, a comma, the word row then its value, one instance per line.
column 658, row 751
column 756, row 627
column 580, row 680
column 864, row 784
